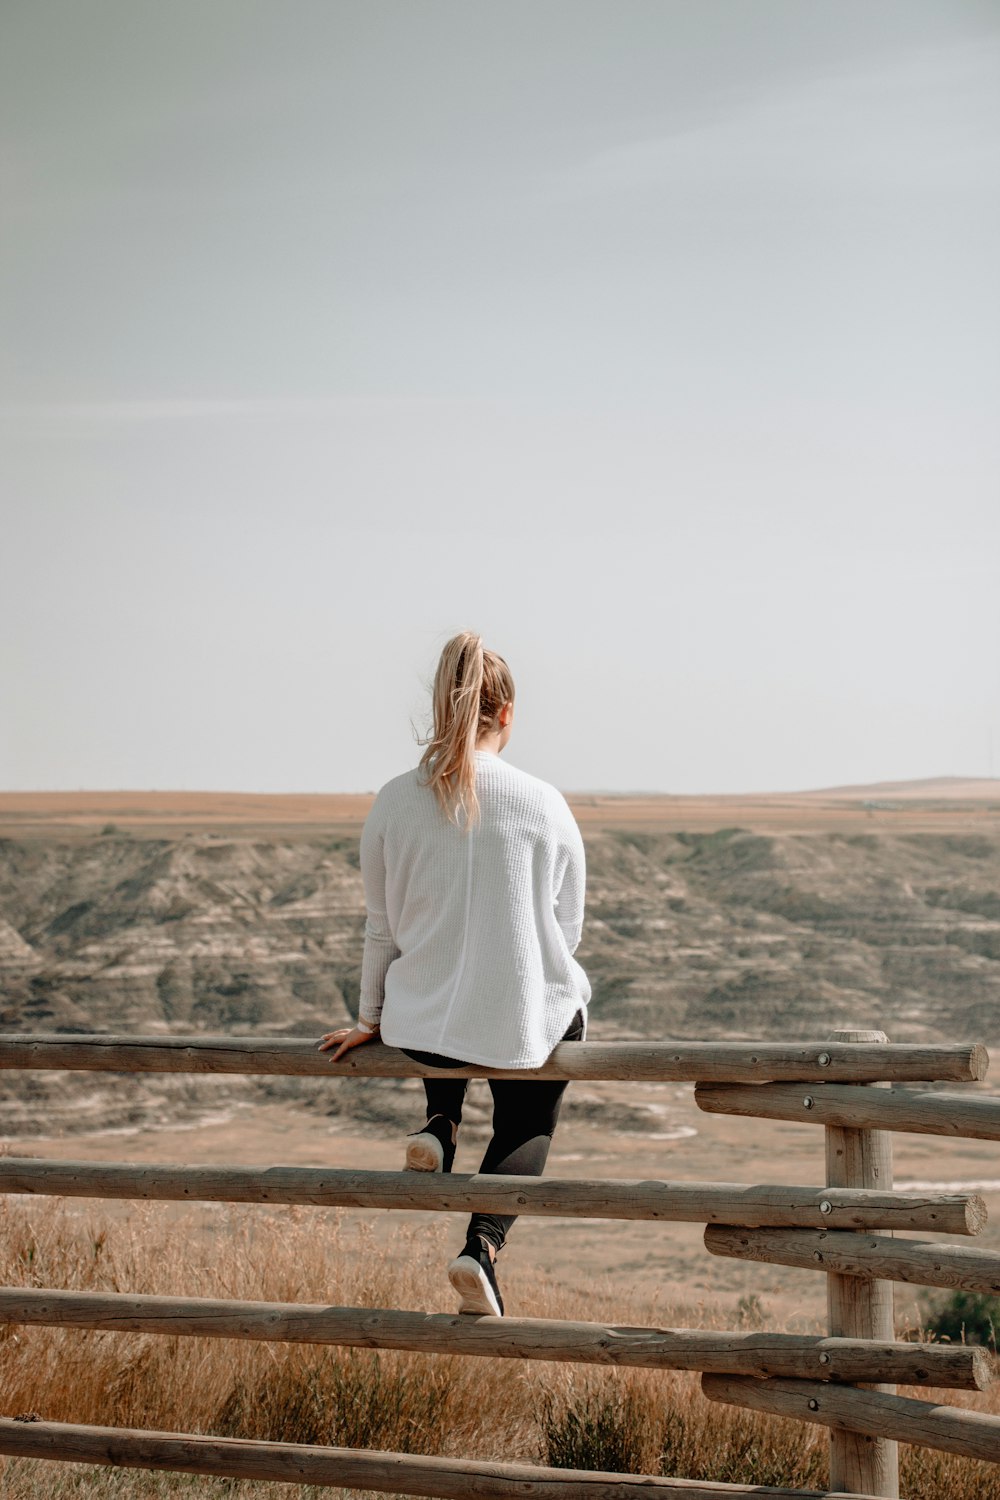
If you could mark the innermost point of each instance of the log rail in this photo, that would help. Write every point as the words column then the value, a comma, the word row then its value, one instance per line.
column 393, row 1473
column 654, row 1062
column 465, row 1192
column 799, row 1356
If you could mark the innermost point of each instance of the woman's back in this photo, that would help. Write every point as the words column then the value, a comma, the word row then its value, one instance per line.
column 479, row 926
column 474, row 879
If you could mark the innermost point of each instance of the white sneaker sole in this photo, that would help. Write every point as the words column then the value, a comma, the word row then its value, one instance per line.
column 472, row 1284
column 424, row 1153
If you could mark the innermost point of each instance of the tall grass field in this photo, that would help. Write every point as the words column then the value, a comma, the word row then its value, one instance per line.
column 533, row 1411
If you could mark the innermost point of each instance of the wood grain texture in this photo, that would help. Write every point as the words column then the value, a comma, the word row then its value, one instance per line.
column 920, row 1112
column 794, row 1355
column 861, row 1309
column 395, row 1473
column 639, row 1061
column 918, row 1262
column 868, row 1414
column 462, row 1192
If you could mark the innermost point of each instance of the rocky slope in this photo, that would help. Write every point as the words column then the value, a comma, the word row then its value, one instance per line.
column 688, row 935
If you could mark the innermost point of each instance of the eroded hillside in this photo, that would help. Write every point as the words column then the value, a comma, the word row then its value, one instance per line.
column 731, row 933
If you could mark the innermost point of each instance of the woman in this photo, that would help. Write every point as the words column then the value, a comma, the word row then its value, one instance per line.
column 474, row 877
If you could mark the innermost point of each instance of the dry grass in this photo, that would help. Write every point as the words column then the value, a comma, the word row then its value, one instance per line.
column 568, row 1415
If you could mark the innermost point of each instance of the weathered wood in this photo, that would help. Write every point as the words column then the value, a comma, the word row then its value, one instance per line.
column 869, row 1414
column 919, row 1262
column 861, row 1309
column 462, row 1192
column 795, row 1355
column 916, row 1111
column 357, row 1468
column 635, row 1061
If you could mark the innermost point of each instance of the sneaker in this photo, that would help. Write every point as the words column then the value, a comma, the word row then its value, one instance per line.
column 473, row 1276
column 431, row 1148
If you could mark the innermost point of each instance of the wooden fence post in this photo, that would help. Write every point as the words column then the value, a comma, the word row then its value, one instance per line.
column 859, row 1308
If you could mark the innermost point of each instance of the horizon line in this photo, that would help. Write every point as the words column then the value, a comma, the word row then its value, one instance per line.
column 841, row 787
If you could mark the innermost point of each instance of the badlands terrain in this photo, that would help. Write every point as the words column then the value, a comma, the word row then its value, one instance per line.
column 770, row 917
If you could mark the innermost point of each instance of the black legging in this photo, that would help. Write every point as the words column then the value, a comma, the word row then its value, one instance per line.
column 524, row 1119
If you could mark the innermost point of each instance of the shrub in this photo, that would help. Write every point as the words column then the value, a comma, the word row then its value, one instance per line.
column 962, row 1318
column 596, row 1429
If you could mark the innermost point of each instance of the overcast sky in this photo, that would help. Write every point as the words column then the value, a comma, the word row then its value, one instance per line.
column 657, row 342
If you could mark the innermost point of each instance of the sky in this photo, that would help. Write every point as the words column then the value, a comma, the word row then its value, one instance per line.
column 657, row 341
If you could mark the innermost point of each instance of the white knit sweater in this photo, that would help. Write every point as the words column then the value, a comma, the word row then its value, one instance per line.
column 469, row 937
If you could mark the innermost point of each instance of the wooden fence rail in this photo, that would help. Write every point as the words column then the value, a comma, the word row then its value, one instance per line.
column 975, row 1117
column 921, row 1262
column 650, row 1062
column 466, row 1192
column 872, row 1414
column 395, row 1473
column 797, row 1356
column 846, row 1380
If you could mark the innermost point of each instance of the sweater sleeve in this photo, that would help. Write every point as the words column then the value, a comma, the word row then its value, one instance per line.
column 380, row 945
column 572, row 886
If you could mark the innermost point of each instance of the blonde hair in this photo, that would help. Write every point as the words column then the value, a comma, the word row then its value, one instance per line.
column 471, row 686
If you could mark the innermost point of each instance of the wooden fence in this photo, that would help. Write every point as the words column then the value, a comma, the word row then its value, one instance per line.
column 855, row 1085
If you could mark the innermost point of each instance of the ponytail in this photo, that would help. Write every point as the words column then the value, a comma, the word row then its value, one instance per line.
column 471, row 686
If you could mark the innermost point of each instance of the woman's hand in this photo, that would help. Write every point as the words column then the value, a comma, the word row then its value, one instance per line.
column 348, row 1037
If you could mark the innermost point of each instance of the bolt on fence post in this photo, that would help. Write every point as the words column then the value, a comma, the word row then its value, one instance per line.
column 857, row 1307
